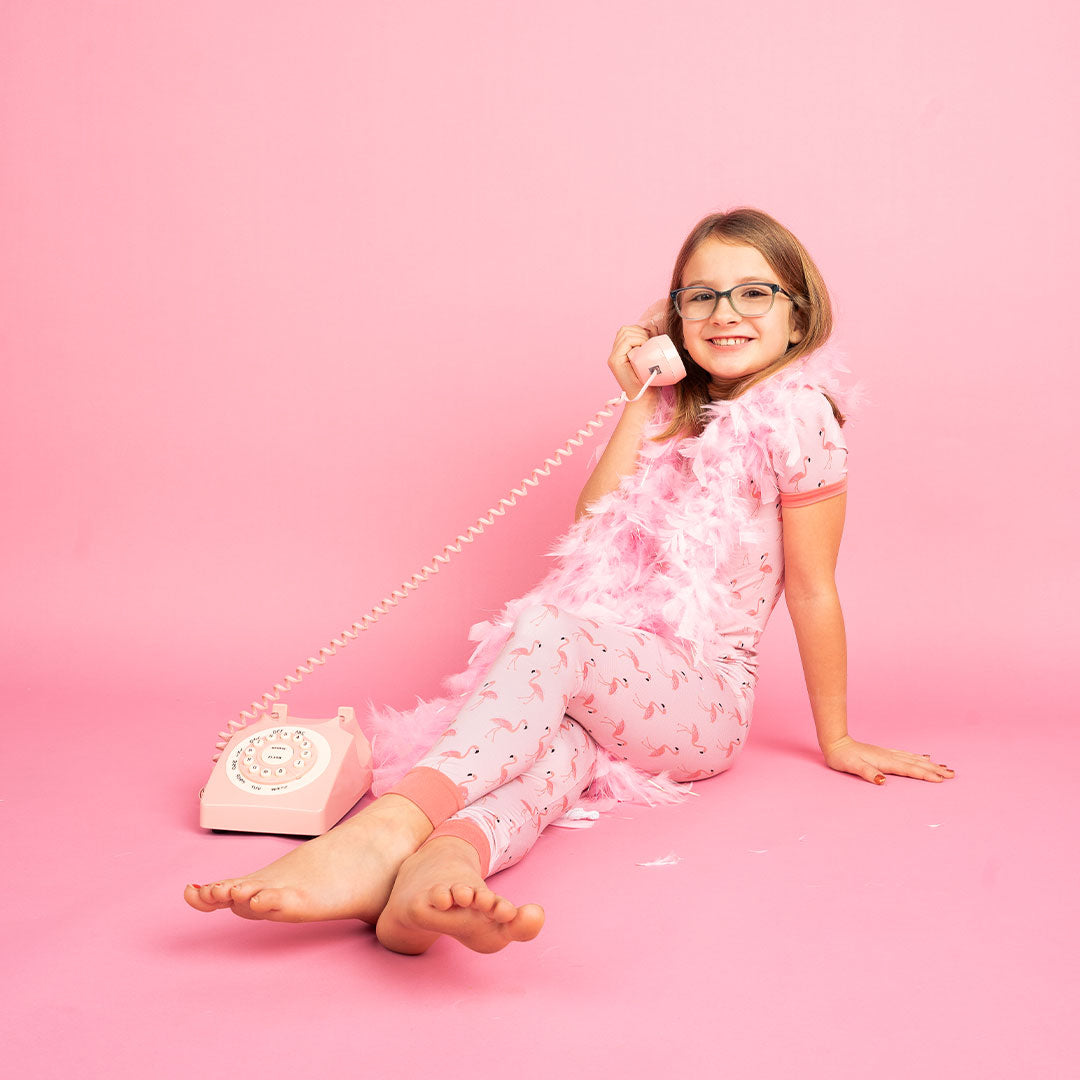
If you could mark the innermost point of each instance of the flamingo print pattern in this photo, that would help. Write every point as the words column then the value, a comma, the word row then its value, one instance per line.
column 523, row 747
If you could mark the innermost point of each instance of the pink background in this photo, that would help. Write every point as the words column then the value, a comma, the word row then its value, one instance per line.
column 291, row 293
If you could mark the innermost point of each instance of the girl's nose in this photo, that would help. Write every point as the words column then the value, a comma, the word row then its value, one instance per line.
column 724, row 312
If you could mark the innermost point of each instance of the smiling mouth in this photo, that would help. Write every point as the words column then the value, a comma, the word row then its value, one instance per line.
column 727, row 342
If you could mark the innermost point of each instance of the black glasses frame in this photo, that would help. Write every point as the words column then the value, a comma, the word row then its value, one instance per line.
column 730, row 299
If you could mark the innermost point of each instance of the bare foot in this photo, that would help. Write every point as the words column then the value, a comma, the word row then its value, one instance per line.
column 440, row 890
column 346, row 873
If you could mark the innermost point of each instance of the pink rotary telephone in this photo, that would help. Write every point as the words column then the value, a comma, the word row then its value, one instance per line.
column 300, row 777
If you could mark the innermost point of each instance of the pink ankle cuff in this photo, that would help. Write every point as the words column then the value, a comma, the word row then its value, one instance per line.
column 435, row 794
column 472, row 834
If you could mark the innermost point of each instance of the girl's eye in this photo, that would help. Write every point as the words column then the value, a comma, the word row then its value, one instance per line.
column 704, row 295
column 752, row 292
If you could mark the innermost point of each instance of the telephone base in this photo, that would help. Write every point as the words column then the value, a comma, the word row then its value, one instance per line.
column 287, row 776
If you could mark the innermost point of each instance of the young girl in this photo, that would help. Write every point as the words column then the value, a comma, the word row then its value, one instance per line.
column 637, row 653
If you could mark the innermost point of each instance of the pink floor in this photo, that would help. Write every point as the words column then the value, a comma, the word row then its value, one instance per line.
column 814, row 926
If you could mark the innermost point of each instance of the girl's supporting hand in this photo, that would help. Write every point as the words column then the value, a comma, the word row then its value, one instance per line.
column 872, row 762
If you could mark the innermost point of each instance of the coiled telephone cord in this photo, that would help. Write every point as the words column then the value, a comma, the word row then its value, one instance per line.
column 267, row 699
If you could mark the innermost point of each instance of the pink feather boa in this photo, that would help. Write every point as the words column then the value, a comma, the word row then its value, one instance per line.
column 648, row 555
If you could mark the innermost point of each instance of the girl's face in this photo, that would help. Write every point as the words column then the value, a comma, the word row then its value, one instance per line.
column 729, row 345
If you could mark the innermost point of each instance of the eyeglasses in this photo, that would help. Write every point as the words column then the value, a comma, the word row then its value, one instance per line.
column 751, row 300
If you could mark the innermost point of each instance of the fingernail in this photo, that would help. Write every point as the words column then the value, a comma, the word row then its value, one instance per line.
column 879, row 779
column 194, row 886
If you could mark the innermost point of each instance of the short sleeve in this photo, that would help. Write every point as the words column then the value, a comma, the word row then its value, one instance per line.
column 809, row 454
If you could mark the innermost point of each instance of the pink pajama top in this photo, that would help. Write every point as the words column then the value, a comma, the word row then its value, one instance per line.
column 690, row 546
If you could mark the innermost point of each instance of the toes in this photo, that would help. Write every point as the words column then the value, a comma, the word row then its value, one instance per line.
column 529, row 921
column 503, row 911
column 463, row 895
column 250, row 899
column 194, row 895
column 280, row 903
column 219, row 893
column 441, row 897
column 484, row 901
column 240, row 892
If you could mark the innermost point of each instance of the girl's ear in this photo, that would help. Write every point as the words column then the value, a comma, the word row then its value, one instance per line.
column 796, row 334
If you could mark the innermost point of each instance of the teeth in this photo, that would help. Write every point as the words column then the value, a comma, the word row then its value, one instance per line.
column 725, row 342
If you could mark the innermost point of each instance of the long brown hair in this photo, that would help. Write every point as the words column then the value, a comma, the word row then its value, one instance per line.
column 795, row 272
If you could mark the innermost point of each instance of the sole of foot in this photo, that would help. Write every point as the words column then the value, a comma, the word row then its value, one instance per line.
column 440, row 892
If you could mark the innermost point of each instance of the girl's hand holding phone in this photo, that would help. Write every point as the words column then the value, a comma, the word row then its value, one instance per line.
column 630, row 337
column 872, row 762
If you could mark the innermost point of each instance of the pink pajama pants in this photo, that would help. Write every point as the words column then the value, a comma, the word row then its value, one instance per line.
column 523, row 747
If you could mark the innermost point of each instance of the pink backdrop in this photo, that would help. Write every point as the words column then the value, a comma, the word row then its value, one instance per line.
column 291, row 293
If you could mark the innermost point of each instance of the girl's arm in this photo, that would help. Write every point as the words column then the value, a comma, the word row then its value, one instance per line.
column 620, row 455
column 811, row 544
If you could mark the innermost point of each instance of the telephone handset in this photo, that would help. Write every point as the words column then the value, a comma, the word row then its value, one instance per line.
column 299, row 777
column 657, row 355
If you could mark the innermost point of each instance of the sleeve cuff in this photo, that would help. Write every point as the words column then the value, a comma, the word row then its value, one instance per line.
column 805, row 498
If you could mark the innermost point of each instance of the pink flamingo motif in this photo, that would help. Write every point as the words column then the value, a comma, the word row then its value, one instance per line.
column 736, row 595
column 656, row 751
column 674, row 675
column 730, row 748
column 459, row 754
column 615, row 683
column 585, row 668
column 517, row 654
column 651, row 708
column 591, row 640
column 485, row 695
column 801, row 475
column 564, row 660
column 765, row 569
column 755, row 611
column 537, row 690
column 638, row 638
column 573, row 764
column 587, row 703
column 561, row 807
column 616, row 730
column 713, row 708
column 549, row 609
column 632, row 657
column 504, row 725
column 692, row 731
column 504, row 774
column 535, row 755
column 830, row 447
